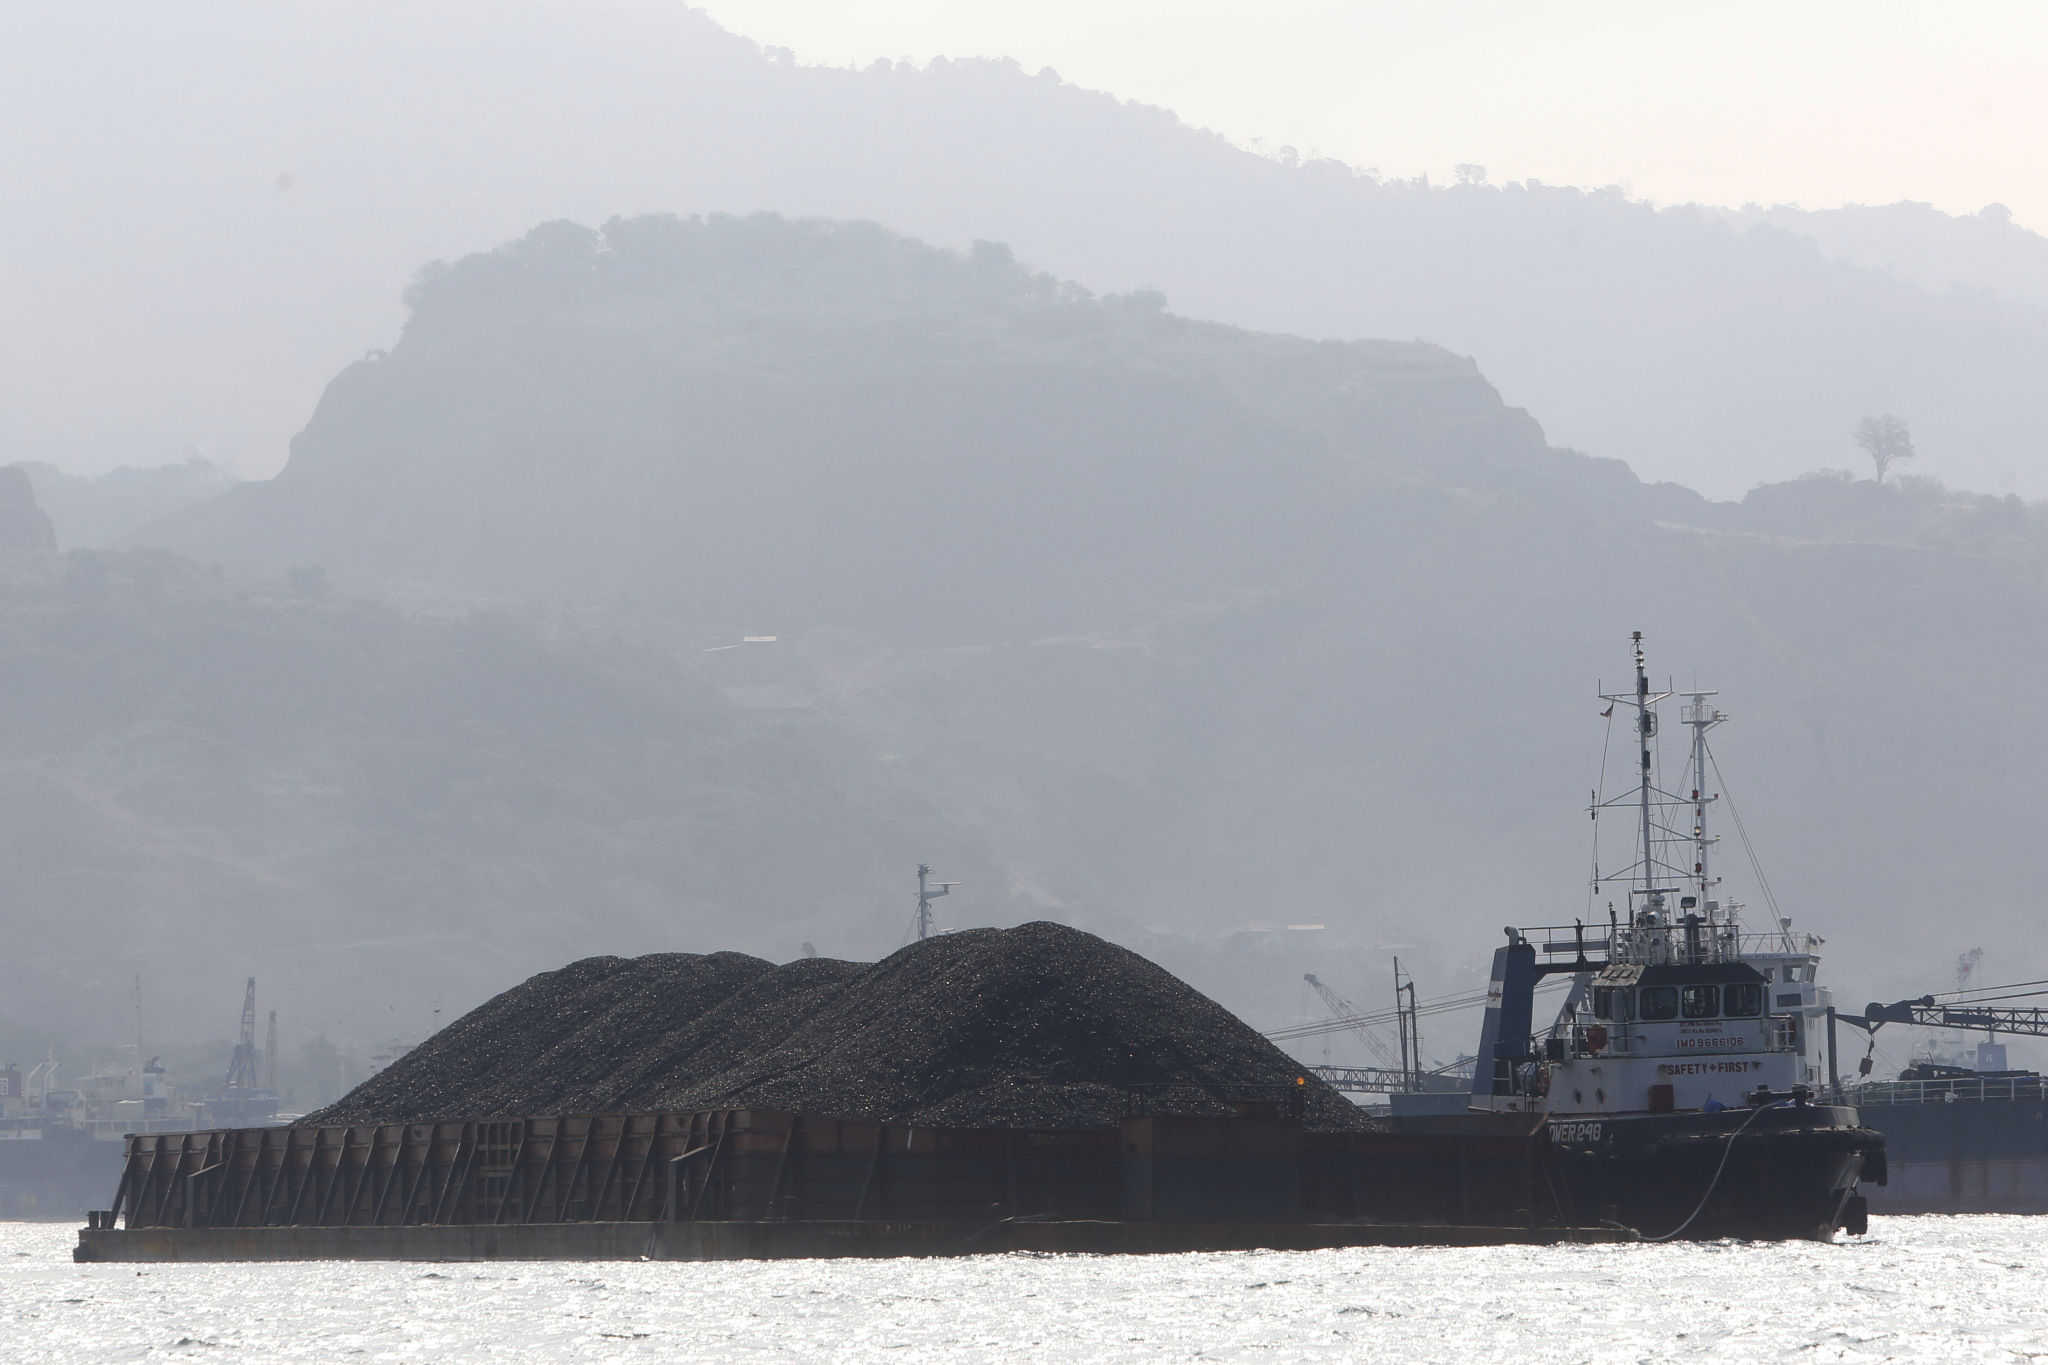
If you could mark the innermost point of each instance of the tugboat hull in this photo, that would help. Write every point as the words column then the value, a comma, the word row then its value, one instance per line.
column 1784, row 1171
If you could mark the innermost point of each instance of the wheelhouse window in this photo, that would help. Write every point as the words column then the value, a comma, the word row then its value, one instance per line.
column 1742, row 1001
column 1659, row 1002
column 1614, row 1002
column 1701, row 1002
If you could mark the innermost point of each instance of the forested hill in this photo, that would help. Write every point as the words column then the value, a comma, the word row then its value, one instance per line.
column 1174, row 631
column 380, row 815
column 1721, row 349
column 767, row 426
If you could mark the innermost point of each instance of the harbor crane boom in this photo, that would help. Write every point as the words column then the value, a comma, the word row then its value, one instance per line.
column 1929, row 1014
column 1351, row 1015
column 1981, row 1014
column 242, row 1066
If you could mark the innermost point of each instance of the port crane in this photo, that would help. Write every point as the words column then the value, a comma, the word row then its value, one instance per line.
column 1929, row 1012
column 242, row 1065
column 248, row 1092
column 1404, row 1072
column 1985, row 1010
column 1352, row 1018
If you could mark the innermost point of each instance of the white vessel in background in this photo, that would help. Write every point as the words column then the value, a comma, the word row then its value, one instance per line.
column 59, row 1141
column 61, row 1144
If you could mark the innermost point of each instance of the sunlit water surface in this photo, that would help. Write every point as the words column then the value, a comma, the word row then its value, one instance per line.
column 1965, row 1289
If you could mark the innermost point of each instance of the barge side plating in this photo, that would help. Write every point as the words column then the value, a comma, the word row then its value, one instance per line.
column 753, row 1182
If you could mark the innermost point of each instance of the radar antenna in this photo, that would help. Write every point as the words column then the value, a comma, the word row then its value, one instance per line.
column 1646, row 797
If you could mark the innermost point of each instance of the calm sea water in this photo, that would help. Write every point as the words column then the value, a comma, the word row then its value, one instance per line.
column 1961, row 1289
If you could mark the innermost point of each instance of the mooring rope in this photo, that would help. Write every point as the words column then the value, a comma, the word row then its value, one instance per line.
column 1726, row 1151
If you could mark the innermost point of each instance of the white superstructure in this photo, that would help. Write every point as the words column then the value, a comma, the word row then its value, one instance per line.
column 1672, row 1006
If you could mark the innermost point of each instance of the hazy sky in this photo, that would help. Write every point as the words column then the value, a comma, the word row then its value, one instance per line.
column 1817, row 104
column 211, row 209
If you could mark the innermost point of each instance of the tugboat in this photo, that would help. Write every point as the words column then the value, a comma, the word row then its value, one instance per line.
column 1681, row 1083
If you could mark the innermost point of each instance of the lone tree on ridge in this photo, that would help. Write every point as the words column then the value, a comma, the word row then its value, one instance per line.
column 1886, row 439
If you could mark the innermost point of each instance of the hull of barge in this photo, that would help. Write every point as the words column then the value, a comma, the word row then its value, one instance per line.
column 782, row 1241
column 743, row 1184
column 1962, row 1146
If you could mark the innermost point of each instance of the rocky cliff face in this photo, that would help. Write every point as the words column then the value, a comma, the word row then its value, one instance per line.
column 23, row 525
column 773, row 425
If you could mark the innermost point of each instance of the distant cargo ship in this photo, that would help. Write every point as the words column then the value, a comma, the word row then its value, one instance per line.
column 1961, row 1139
column 62, row 1145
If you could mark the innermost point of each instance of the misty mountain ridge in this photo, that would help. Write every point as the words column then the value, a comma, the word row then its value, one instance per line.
column 1722, row 348
column 638, row 315
column 1919, row 243
column 695, row 415
column 102, row 511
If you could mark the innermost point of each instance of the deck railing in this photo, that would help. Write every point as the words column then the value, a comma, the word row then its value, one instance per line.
column 1981, row 1089
column 1559, row 944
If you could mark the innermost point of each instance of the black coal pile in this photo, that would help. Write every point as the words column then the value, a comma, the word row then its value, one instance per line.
column 1041, row 1026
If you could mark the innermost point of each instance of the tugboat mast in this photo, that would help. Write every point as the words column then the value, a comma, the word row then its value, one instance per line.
column 1646, row 728
column 1652, row 911
column 1662, row 869
column 1702, row 718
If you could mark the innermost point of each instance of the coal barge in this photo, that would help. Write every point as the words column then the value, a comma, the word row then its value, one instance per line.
column 1040, row 1089
column 1032, row 1088
column 750, row 1183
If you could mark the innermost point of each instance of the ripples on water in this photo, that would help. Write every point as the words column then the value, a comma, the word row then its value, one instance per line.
column 1962, row 1289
